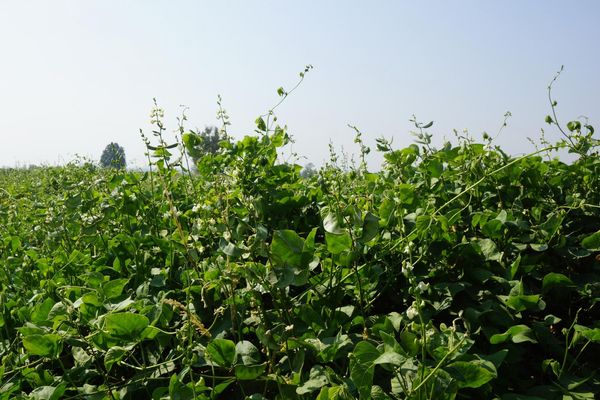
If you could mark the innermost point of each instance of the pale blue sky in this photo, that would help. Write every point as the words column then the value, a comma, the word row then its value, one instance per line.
column 76, row 75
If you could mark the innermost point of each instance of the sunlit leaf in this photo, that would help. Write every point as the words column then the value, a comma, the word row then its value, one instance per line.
column 553, row 280
column 125, row 325
column 592, row 242
column 516, row 333
column 48, row 345
column 114, row 288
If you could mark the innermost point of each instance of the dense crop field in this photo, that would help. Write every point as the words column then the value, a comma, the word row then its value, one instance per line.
column 458, row 272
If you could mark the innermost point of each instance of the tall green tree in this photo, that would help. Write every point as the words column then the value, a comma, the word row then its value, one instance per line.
column 113, row 156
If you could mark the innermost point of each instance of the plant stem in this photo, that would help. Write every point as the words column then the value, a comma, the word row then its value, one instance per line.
column 439, row 364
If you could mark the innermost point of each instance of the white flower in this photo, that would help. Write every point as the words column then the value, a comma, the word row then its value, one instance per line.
column 412, row 312
column 407, row 268
column 88, row 219
column 196, row 208
column 422, row 286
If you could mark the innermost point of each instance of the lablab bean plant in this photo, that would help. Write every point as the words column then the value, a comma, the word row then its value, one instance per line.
column 453, row 272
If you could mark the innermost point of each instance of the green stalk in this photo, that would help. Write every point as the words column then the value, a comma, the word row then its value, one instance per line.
column 439, row 364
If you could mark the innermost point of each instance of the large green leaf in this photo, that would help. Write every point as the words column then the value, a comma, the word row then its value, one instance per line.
column 48, row 345
column 41, row 311
column 435, row 167
column 493, row 228
column 247, row 353
column 338, row 244
column 552, row 224
column 221, row 352
column 291, row 257
column 125, row 325
column 333, row 224
column 114, row 288
column 391, row 358
column 362, row 367
column 407, row 193
column 286, row 248
column 472, row 374
column 409, row 342
column 370, row 228
column 592, row 242
column 554, row 280
column 488, row 249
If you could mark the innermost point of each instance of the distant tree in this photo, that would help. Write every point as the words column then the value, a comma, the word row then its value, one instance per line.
column 200, row 143
column 113, row 156
column 308, row 171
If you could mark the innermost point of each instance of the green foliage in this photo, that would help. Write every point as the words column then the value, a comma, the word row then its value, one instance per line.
column 458, row 272
column 113, row 156
column 198, row 144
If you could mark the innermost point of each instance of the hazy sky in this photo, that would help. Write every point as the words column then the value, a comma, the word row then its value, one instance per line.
column 78, row 74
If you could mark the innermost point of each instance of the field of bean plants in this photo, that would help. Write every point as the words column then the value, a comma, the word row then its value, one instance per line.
column 458, row 272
